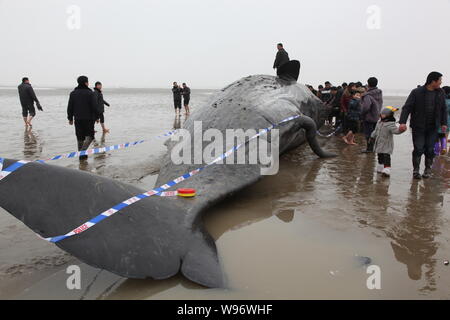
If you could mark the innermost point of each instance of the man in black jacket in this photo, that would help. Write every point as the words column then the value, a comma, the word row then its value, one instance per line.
column 83, row 107
column 281, row 58
column 426, row 105
column 101, row 104
column 177, row 91
column 27, row 100
column 186, row 97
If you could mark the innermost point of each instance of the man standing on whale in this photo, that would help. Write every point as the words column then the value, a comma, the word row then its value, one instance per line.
column 84, row 108
column 281, row 58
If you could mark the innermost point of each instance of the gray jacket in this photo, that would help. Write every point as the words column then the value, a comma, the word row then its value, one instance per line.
column 384, row 139
column 371, row 105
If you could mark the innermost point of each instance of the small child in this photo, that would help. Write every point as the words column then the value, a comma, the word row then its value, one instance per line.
column 384, row 140
column 353, row 118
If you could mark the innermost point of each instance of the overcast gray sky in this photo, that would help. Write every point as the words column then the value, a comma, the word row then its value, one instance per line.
column 210, row 43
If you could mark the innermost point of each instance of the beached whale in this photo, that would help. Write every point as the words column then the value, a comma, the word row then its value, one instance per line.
column 158, row 237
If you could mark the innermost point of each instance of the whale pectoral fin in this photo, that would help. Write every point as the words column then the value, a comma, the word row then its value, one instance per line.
column 310, row 128
column 201, row 263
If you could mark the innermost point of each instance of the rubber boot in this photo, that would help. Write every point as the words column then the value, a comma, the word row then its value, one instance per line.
column 87, row 141
column 416, row 167
column 428, row 165
column 370, row 143
column 437, row 148
column 443, row 145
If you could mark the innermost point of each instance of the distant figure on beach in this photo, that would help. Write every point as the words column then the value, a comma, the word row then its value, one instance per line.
column 384, row 140
column 428, row 111
column 27, row 99
column 176, row 90
column 101, row 104
column 84, row 108
column 186, row 97
column 281, row 58
column 371, row 104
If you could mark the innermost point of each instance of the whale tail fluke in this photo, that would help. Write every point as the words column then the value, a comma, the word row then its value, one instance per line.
column 201, row 263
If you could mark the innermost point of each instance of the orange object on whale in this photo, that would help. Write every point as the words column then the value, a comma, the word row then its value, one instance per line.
column 186, row 193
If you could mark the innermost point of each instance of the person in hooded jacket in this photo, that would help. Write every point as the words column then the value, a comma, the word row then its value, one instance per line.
column 83, row 108
column 371, row 104
column 384, row 140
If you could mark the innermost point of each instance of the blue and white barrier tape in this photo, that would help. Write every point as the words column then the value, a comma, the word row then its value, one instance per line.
column 157, row 191
column 7, row 171
column 330, row 134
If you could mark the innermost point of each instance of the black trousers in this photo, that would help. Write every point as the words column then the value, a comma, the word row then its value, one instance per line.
column 28, row 109
column 384, row 159
column 84, row 128
column 335, row 112
column 177, row 104
column 423, row 141
column 368, row 128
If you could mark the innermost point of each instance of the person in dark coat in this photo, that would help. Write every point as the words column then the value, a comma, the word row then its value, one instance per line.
column 83, row 108
column 281, row 58
column 27, row 99
column 101, row 104
column 177, row 91
column 186, row 97
column 371, row 106
column 334, row 102
column 426, row 105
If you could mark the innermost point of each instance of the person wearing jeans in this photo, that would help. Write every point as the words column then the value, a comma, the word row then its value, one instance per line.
column 426, row 105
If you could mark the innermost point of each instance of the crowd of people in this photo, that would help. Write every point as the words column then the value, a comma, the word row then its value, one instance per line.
column 86, row 107
column 354, row 108
column 357, row 108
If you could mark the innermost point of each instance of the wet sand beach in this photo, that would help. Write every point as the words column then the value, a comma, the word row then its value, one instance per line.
column 309, row 232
